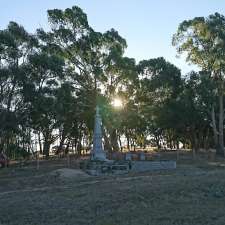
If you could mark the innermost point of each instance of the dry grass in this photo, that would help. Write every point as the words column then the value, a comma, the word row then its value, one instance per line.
column 193, row 194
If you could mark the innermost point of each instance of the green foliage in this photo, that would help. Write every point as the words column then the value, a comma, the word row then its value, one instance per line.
column 51, row 81
column 202, row 39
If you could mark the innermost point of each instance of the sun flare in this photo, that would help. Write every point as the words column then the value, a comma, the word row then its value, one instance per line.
column 117, row 102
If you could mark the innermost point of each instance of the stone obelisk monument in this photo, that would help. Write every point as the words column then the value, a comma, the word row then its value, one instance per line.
column 97, row 152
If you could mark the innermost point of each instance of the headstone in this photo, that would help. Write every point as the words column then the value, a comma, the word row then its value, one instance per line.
column 142, row 156
column 97, row 152
column 128, row 156
column 135, row 156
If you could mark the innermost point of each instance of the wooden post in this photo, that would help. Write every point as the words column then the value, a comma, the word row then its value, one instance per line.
column 178, row 154
column 68, row 160
column 38, row 165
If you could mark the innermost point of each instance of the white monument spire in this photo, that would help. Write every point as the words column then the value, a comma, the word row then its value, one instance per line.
column 97, row 151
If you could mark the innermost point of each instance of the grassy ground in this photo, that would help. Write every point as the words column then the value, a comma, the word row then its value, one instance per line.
column 192, row 194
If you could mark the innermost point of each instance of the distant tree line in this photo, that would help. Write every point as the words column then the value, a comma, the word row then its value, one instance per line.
column 51, row 81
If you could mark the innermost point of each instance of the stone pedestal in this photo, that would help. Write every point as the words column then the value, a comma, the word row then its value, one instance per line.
column 109, row 167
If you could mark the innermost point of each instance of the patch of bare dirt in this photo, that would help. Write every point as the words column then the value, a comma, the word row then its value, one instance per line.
column 66, row 173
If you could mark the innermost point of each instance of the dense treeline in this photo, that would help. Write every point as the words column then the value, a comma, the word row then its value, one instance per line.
column 51, row 81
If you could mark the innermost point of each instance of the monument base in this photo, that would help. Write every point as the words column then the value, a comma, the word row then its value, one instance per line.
column 98, row 167
column 111, row 167
column 99, row 156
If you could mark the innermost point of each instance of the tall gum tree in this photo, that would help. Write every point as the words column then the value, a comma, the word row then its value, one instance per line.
column 96, row 58
column 160, row 84
column 202, row 39
column 15, row 46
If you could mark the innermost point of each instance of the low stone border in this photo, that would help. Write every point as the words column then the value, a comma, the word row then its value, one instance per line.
column 144, row 166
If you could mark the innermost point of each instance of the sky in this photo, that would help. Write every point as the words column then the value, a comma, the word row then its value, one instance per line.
column 147, row 25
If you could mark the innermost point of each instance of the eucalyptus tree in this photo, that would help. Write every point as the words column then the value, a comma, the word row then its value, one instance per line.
column 95, row 59
column 15, row 46
column 202, row 39
column 192, row 110
column 45, row 72
column 160, row 85
column 121, row 83
column 86, row 51
column 66, row 113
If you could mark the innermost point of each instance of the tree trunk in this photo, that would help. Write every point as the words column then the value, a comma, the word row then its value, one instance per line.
column 220, row 149
column 107, row 145
column 128, row 142
column 11, row 96
column 46, row 148
column 61, row 143
column 67, row 147
column 79, row 148
column 120, row 142
column 193, row 145
column 196, row 146
column 169, row 141
column 194, row 142
column 215, row 132
column 157, row 139
column 133, row 144
column 206, row 140
column 75, row 145
column 114, row 141
column 79, row 142
column 40, row 144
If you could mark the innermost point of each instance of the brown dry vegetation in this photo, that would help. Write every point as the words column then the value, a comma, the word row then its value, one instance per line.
column 193, row 194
